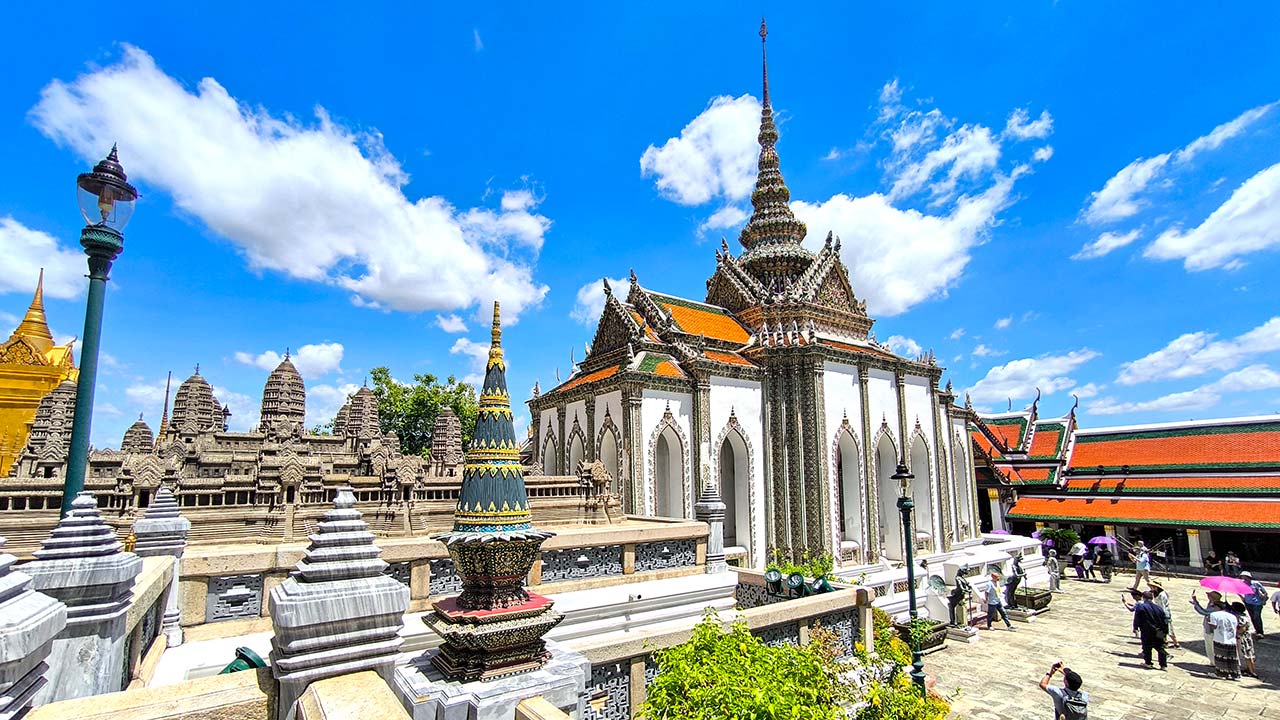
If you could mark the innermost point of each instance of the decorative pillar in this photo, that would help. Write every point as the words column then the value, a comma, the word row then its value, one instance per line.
column 871, row 541
column 589, row 406
column 904, row 440
column 701, row 429
column 767, row 449
column 535, row 424
column 817, row 489
column 29, row 621
column 338, row 613
column 81, row 564
column 997, row 512
column 710, row 510
column 633, row 431
column 940, row 487
column 794, row 430
column 162, row 531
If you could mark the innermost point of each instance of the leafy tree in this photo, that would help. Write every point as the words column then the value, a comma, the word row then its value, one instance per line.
column 1062, row 539
column 410, row 410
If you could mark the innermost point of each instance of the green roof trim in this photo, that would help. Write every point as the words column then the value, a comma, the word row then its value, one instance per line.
column 1088, row 437
column 1062, row 438
column 1092, row 469
column 1200, row 489
column 690, row 304
column 652, row 361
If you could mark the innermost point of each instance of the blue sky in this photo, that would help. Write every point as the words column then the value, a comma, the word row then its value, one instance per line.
column 1079, row 197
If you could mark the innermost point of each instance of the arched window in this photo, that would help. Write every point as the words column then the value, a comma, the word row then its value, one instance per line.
column 890, row 520
column 549, row 466
column 609, row 458
column 575, row 454
column 922, row 516
column 849, row 489
column 735, row 490
column 668, row 474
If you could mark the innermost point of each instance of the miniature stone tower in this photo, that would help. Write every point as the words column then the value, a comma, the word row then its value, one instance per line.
column 162, row 531
column 338, row 613
column 28, row 623
column 495, row 627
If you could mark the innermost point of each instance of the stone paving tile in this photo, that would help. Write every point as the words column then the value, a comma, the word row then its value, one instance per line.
column 998, row 677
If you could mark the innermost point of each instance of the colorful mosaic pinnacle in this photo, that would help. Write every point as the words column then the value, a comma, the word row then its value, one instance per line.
column 495, row 627
column 493, row 497
column 773, row 235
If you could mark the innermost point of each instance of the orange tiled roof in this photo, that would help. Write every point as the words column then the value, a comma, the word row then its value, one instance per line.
column 992, row 451
column 699, row 319
column 730, row 358
column 1203, row 513
column 1029, row 475
column 1009, row 430
column 1205, row 446
column 669, row 369
column 648, row 329
column 857, row 348
column 1047, row 442
column 1144, row 484
column 588, row 377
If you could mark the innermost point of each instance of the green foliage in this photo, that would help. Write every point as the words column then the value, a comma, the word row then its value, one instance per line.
column 810, row 566
column 918, row 629
column 410, row 410
column 723, row 676
column 323, row 428
column 1063, row 539
column 897, row 698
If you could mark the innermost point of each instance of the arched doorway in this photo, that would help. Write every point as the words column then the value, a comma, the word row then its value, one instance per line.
column 735, row 490
column 922, row 516
column 609, row 458
column 964, row 489
column 849, row 489
column 668, row 474
column 575, row 454
column 549, row 456
column 887, row 487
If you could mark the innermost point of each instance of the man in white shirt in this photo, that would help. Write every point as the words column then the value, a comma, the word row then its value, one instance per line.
column 995, row 604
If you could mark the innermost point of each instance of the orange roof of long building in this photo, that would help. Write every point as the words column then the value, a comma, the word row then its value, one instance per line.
column 588, row 377
column 1179, row 484
column 1193, row 513
column 701, row 319
column 1010, row 430
column 1047, row 441
column 725, row 357
column 1226, row 446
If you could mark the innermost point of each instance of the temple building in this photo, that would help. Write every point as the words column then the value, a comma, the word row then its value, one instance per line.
column 773, row 388
column 1185, row 488
column 31, row 366
column 273, row 483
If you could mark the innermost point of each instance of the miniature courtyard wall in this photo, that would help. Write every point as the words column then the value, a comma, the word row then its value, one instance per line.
column 224, row 589
column 620, row 671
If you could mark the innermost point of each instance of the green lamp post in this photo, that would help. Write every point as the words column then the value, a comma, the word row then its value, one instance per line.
column 106, row 201
column 905, row 506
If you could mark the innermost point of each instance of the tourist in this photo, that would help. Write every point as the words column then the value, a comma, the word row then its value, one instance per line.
column 1076, row 556
column 1153, row 628
column 1233, row 564
column 1162, row 601
column 995, row 604
column 1069, row 701
column 1090, row 554
column 1275, row 600
column 1106, row 561
column 1011, row 585
column 1245, row 648
column 1213, row 603
column 1253, row 602
column 1141, row 558
column 1212, row 564
column 1055, row 574
column 1225, row 631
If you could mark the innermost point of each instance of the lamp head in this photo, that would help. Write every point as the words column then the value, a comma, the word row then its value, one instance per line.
column 105, row 195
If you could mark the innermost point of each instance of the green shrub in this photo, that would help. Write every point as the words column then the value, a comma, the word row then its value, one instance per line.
column 1062, row 538
column 810, row 566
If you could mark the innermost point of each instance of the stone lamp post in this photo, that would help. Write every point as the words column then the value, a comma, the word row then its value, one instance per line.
column 905, row 506
column 106, row 202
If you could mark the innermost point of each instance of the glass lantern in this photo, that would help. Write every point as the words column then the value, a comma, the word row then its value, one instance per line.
column 105, row 196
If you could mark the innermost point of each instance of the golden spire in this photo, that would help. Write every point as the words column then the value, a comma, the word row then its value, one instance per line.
column 495, row 339
column 34, row 327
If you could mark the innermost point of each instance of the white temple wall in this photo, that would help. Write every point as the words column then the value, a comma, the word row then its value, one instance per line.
column 842, row 398
column 917, row 393
column 882, row 398
column 576, row 410
column 609, row 403
column 653, row 408
column 743, row 399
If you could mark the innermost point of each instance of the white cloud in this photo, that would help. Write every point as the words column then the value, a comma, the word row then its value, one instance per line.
column 451, row 323
column 106, row 408
column 970, row 152
column 727, row 217
column 983, row 351
column 714, row 157
column 1247, row 222
column 1119, row 197
column 957, row 333
column 1196, row 353
column 590, row 300
column 27, row 250
column 1020, row 378
column 324, row 401
column 478, row 355
column 148, row 397
column 1004, row 322
column 1043, row 154
column 245, row 411
column 1249, row 379
column 1105, row 243
column 1087, row 390
column 312, row 361
column 1022, row 127
column 903, row 346
column 900, row 258
column 479, row 44
column 319, row 202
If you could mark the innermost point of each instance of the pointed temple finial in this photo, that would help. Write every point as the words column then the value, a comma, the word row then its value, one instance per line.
column 164, row 414
column 34, row 326
column 112, row 156
column 197, row 368
column 286, row 352
column 773, row 235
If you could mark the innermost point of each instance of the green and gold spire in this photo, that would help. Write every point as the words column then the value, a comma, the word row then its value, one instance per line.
column 493, row 497
column 772, row 237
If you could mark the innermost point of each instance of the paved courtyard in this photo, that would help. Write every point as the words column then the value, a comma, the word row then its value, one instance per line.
column 1088, row 629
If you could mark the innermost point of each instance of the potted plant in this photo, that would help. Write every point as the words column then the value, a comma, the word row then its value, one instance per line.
column 928, row 633
column 1033, row 598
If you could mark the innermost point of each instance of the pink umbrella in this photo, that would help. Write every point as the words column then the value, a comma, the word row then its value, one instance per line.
column 1224, row 584
column 1103, row 540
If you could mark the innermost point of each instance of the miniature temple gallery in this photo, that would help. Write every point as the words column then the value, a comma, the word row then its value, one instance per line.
column 774, row 389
